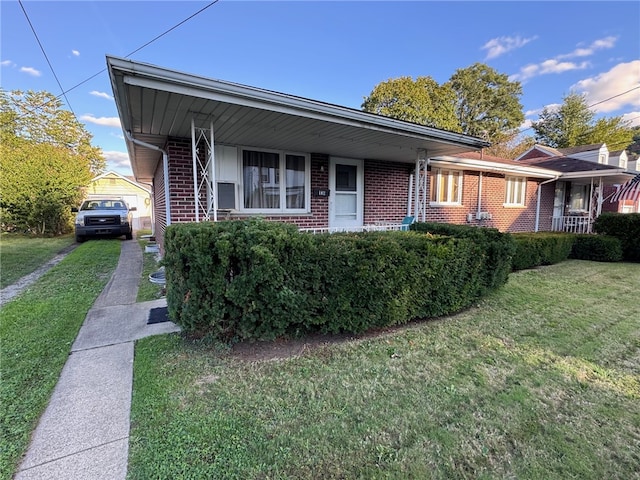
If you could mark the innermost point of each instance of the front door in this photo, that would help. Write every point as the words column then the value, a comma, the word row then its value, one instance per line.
column 346, row 186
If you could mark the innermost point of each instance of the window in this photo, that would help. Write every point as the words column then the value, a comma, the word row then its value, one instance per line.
column 275, row 181
column 446, row 186
column 579, row 198
column 516, row 189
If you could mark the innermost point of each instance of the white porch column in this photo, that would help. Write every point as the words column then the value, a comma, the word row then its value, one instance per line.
column 421, row 177
column 204, row 172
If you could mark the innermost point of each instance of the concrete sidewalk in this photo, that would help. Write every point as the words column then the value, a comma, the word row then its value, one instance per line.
column 84, row 432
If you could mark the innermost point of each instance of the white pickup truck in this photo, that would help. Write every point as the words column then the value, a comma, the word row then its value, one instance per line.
column 103, row 217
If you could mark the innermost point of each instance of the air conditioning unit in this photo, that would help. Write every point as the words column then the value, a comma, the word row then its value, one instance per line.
column 483, row 216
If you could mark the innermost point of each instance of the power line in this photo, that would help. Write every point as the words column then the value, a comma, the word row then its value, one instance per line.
column 64, row 92
column 48, row 62
column 594, row 104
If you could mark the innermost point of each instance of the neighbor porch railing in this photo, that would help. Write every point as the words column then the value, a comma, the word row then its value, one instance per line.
column 572, row 224
column 361, row 228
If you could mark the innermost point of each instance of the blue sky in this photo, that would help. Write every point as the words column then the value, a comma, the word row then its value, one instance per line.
column 332, row 51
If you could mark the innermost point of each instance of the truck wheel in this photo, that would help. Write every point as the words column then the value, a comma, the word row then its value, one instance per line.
column 129, row 235
column 79, row 238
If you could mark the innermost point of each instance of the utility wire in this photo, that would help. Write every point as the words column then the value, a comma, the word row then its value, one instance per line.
column 48, row 61
column 126, row 56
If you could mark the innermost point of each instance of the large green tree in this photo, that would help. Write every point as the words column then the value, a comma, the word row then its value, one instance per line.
column 476, row 100
column 421, row 101
column 487, row 103
column 573, row 123
column 46, row 159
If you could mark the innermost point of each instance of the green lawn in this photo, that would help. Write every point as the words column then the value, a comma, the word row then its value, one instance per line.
column 539, row 381
column 20, row 255
column 37, row 330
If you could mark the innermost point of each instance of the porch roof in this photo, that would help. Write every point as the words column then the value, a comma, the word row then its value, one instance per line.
column 156, row 103
column 578, row 169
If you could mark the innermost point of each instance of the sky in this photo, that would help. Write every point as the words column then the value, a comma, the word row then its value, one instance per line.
column 331, row 51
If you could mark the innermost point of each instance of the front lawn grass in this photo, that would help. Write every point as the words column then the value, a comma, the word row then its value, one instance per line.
column 21, row 255
column 539, row 381
column 37, row 330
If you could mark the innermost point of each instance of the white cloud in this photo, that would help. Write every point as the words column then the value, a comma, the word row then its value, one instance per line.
column 75, row 53
column 7, row 63
column 600, row 44
column 501, row 45
column 633, row 117
column 611, row 85
column 105, row 95
column 555, row 65
column 31, row 71
column 104, row 121
column 545, row 68
column 117, row 161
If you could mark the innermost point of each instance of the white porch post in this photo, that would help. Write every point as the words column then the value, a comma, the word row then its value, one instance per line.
column 420, row 203
column 206, row 184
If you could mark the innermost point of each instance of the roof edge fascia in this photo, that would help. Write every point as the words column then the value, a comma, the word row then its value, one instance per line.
column 151, row 76
column 485, row 165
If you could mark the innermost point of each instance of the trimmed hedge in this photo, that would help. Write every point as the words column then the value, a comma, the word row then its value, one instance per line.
column 255, row 279
column 626, row 228
column 542, row 248
column 598, row 248
column 498, row 249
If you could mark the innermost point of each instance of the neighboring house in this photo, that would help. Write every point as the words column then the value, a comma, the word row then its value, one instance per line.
column 589, row 176
column 218, row 150
column 113, row 185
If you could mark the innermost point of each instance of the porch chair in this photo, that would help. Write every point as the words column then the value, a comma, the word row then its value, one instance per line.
column 406, row 221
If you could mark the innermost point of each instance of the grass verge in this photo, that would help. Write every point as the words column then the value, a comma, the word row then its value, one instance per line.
column 146, row 290
column 539, row 381
column 36, row 334
column 21, row 255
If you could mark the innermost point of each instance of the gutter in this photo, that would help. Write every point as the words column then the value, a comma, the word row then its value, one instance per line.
column 165, row 168
column 537, row 226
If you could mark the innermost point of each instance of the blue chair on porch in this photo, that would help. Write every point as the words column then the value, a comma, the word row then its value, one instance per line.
column 406, row 221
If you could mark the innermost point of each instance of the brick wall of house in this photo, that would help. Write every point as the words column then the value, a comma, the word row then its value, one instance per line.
column 386, row 191
column 505, row 219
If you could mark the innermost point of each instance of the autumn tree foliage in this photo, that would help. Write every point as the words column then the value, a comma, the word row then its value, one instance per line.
column 46, row 160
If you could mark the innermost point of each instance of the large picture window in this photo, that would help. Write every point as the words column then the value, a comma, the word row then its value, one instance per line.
column 275, row 181
column 515, row 193
column 446, row 186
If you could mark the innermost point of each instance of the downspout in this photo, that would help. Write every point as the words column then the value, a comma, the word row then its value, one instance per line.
column 165, row 169
column 479, row 209
column 537, row 226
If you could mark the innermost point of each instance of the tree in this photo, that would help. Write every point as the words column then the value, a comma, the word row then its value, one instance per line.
column 421, row 101
column 510, row 145
column 38, row 116
column 565, row 126
column 487, row 104
column 46, row 159
column 574, row 124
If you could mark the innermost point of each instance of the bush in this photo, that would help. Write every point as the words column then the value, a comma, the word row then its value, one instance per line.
column 535, row 249
column 598, row 248
column 626, row 228
column 254, row 279
column 498, row 248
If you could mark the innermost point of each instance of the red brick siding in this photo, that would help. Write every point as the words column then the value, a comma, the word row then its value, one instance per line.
column 386, row 191
column 505, row 219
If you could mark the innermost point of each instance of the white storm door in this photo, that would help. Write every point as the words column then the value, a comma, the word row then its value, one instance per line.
column 346, row 185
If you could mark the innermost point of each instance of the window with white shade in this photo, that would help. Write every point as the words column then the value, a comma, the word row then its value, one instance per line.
column 515, row 191
column 275, row 182
column 445, row 187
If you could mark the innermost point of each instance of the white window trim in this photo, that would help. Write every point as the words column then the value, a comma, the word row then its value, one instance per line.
column 509, row 184
column 283, row 189
column 436, row 174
